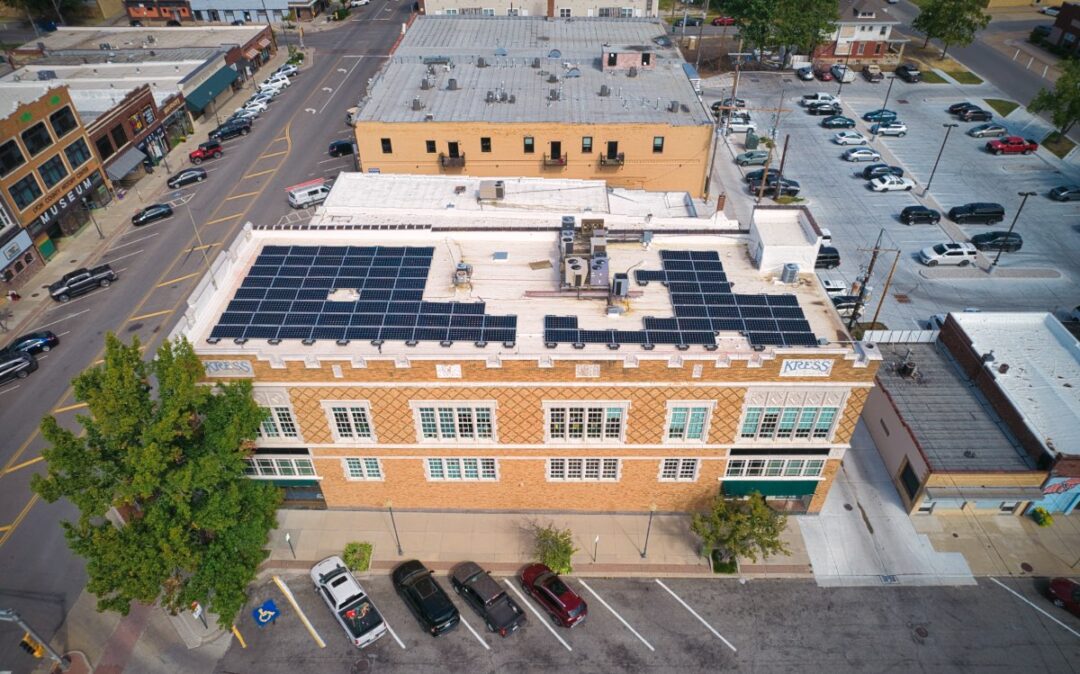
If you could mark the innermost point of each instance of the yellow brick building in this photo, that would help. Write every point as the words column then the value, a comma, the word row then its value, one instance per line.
column 581, row 99
column 521, row 383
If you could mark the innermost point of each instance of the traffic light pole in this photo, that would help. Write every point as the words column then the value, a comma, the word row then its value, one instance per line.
column 32, row 642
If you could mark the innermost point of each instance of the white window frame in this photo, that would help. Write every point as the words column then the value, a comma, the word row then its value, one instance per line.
column 690, row 406
column 458, row 422
column 812, row 434
column 269, row 467
column 448, row 465
column 579, row 469
column 328, row 408
column 487, row 11
column 280, row 416
column 450, row 12
column 552, row 407
column 365, row 472
column 775, row 467
column 680, row 470
column 566, row 12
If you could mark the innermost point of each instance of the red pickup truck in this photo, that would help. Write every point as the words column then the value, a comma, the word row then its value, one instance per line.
column 1012, row 145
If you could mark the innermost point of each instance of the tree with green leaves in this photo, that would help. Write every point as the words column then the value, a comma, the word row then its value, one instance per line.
column 553, row 547
column 741, row 527
column 191, row 526
column 803, row 24
column 1063, row 101
column 754, row 19
column 60, row 10
column 951, row 21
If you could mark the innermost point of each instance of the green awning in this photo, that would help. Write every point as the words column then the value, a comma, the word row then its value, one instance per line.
column 773, row 488
column 201, row 96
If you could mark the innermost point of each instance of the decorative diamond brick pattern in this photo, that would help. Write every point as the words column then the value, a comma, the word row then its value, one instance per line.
column 852, row 410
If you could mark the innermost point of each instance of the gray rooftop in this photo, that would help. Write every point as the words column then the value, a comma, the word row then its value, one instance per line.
column 947, row 414
column 124, row 37
column 569, row 49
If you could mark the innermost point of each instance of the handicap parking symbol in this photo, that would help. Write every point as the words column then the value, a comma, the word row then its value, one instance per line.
column 265, row 614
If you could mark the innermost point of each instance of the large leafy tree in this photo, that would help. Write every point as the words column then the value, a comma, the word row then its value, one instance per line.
column 804, row 23
column 754, row 19
column 1063, row 101
column 171, row 463
column 951, row 21
column 741, row 527
column 45, row 9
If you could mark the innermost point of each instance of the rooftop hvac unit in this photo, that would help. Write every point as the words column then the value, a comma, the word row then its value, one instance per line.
column 512, row 99
column 633, row 72
column 568, row 222
column 536, row 62
column 451, row 84
column 46, row 75
column 598, row 272
column 492, row 190
column 490, row 97
column 673, row 106
column 790, row 274
column 462, row 274
column 553, row 94
column 425, row 84
column 575, row 270
column 566, row 243
column 598, row 242
column 553, row 78
column 620, row 286
column 605, row 90
column 481, row 62
column 503, row 96
column 417, row 105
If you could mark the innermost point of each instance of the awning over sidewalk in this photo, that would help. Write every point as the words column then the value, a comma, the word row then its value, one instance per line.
column 201, row 96
column 251, row 54
column 264, row 43
column 985, row 493
column 125, row 163
column 773, row 488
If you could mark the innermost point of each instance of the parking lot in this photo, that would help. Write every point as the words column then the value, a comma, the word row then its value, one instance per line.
column 1041, row 276
column 691, row 625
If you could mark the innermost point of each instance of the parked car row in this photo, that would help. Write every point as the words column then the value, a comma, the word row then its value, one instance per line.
column 425, row 598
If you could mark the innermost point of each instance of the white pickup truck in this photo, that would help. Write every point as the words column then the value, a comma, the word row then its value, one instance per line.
column 348, row 601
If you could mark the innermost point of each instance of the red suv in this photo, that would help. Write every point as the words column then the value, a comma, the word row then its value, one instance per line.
column 1066, row 594
column 563, row 604
column 208, row 150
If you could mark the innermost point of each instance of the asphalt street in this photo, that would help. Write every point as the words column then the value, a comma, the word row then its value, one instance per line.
column 699, row 625
column 158, row 265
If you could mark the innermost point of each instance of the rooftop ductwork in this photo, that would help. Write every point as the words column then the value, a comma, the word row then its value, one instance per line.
column 451, row 84
column 605, row 90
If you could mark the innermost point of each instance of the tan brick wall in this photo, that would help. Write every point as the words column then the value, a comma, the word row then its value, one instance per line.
column 822, row 491
column 1032, row 478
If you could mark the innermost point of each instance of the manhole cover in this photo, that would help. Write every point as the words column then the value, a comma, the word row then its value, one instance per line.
column 901, row 298
column 1027, row 567
column 360, row 667
column 847, row 506
column 922, row 632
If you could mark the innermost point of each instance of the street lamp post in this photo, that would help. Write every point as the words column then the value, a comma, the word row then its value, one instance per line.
column 847, row 62
column 883, row 106
column 1016, row 217
column 390, row 507
column 948, row 127
column 648, row 530
column 86, row 205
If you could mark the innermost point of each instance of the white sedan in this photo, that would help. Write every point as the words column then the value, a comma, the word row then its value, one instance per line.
column 891, row 183
column 849, row 138
column 255, row 106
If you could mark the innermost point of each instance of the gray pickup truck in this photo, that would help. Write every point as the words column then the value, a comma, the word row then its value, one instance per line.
column 81, row 281
column 351, row 606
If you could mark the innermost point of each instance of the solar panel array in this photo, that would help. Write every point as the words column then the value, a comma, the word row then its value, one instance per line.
column 285, row 296
column 704, row 306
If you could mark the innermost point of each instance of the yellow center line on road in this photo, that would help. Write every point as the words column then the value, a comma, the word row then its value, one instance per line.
column 241, row 196
column 58, row 410
column 273, row 154
column 178, row 279
column 227, row 217
column 22, row 515
column 280, row 138
column 256, row 175
column 205, row 246
column 24, row 464
column 150, row 315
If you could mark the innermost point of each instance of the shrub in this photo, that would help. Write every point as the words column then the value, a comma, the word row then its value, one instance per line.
column 357, row 556
column 554, row 547
column 1042, row 517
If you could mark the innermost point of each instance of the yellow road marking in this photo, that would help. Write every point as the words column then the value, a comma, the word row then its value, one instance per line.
column 178, row 280
column 150, row 315
column 241, row 196
column 58, row 410
column 204, row 246
column 274, row 154
column 24, row 464
column 18, row 520
column 260, row 173
column 228, row 217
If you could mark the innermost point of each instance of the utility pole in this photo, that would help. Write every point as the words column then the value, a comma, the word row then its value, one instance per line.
column 948, row 128
column 765, row 174
column 34, row 642
column 1016, row 217
column 877, row 250
column 783, row 156
column 885, row 290
column 700, row 34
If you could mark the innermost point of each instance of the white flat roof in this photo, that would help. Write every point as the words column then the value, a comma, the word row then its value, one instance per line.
column 125, row 37
column 1043, row 376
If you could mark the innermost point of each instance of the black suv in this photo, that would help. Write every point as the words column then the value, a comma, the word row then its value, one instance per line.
column 231, row 129
column 1008, row 242
column 909, row 72
column 16, row 365
column 875, row 170
column 425, row 598
column 919, row 215
column 488, row 598
column 977, row 214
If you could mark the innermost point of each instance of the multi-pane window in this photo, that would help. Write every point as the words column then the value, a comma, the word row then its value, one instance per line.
column 626, row 12
column 278, row 423
column 687, row 423
column 487, row 12
column 36, row 138
column 363, row 468
column 775, row 468
column 767, row 423
column 586, row 145
column 77, row 153
column 387, row 146
column 588, row 470
column 457, row 422
column 105, row 147
column 678, row 470
column 279, row 466
column 578, row 423
column 119, row 136
column 52, row 171
column 351, row 422
column 458, row 468
column 11, row 157
column 62, row 121
column 529, row 145
column 564, row 13
column 485, row 144
column 658, row 144
column 25, row 192
column 429, row 145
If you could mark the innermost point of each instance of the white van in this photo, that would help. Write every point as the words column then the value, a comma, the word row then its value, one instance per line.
column 308, row 194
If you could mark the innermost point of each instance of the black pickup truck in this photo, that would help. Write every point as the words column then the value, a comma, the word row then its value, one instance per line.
column 501, row 614
column 81, row 281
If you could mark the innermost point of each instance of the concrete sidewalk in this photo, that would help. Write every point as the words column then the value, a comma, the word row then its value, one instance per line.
column 608, row 545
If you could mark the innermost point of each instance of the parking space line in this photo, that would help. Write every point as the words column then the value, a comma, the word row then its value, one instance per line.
column 695, row 614
column 539, row 616
column 240, row 196
column 117, row 259
column 60, row 320
column 273, row 154
column 226, row 218
column 474, row 633
column 393, row 634
column 151, row 315
column 299, row 611
column 76, row 406
column 257, row 174
column 133, row 241
column 616, row 614
column 178, row 279
column 1024, row 599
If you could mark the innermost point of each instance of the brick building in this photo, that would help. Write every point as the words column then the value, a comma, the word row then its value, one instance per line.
column 564, row 9
column 502, row 355
column 863, row 35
